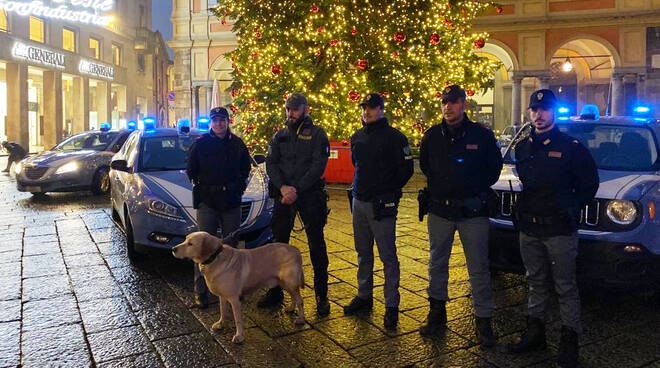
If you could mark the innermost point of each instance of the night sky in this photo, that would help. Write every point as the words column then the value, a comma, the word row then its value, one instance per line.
column 162, row 11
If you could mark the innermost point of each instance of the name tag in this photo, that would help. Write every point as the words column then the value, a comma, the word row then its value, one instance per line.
column 472, row 147
column 554, row 154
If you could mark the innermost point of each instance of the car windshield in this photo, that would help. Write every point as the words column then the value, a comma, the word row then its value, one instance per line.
column 613, row 147
column 165, row 153
column 97, row 141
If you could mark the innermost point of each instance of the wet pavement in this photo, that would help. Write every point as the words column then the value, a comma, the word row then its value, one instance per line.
column 70, row 298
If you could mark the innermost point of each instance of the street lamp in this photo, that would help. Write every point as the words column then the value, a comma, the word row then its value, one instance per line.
column 567, row 66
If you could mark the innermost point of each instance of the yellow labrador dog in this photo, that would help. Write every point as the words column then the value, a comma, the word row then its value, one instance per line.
column 230, row 273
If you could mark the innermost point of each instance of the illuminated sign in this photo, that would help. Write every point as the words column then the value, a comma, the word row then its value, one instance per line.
column 38, row 55
column 96, row 69
column 74, row 11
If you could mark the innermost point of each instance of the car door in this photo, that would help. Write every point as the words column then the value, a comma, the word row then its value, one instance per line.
column 120, row 179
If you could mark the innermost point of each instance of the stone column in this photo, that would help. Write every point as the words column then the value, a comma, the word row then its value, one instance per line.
column 53, row 115
column 204, row 101
column 80, row 104
column 195, row 104
column 545, row 81
column 641, row 89
column 516, row 118
column 18, row 128
column 618, row 98
column 103, row 101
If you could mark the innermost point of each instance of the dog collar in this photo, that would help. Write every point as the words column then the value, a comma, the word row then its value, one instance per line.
column 212, row 257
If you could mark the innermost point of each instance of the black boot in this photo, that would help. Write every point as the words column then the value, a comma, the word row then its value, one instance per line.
column 391, row 318
column 359, row 305
column 485, row 332
column 322, row 306
column 436, row 322
column 272, row 298
column 568, row 348
column 532, row 339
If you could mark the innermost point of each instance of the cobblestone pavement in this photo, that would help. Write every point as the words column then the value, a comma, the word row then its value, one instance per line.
column 69, row 298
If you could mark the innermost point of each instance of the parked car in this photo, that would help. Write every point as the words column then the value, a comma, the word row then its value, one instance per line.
column 151, row 195
column 619, row 231
column 81, row 162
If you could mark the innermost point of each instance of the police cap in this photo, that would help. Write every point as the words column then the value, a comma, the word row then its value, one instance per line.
column 543, row 98
column 373, row 100
column 453, row 93
column 296, row 100
column 219, row 112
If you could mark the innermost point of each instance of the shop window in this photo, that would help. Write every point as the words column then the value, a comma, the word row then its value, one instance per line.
column 37, row 30
column 4, row 25
column 95, row 48
column 116, row 54
column 68, row 39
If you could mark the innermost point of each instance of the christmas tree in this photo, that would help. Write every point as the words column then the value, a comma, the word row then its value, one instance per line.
column 337, row 51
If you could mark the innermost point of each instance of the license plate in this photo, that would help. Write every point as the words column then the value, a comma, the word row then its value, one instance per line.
column 33, row 189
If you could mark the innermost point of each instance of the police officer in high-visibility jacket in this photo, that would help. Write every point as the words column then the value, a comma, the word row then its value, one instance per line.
column 558, row 177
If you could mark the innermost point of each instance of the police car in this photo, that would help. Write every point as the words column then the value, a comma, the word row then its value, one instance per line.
column 81, row 162
column 151, row 195
column 619, row 230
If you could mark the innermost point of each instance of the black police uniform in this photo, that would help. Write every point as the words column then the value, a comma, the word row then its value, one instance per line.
column 219, row 169
column 297, row 157
column 16, row 153
column 383, row 165
column 461, row 162
column 558, row 177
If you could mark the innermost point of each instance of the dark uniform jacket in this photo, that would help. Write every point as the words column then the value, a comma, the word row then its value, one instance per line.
column 219, row 169
column 297, row 157
column 15, row 150
column 559, row 177
column 382, row 159
column 460, row 167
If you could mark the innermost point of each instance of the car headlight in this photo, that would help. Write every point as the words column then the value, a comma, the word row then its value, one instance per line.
column 621, row 212
column 67, row 168
column 163, row 209
column 18, row 168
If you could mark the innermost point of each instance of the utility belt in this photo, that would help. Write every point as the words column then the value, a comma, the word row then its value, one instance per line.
column 452, row 208
column 384, row 205
column 542, row 220
column 211, row 188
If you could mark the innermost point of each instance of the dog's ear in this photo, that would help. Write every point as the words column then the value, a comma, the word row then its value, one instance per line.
column 209, row 245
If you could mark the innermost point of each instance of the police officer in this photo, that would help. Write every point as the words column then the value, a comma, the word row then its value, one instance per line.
column 218, row 166
column 461, row 160
column 558, row 177
column 383, row 165
column 16, row 153
column 297, row 156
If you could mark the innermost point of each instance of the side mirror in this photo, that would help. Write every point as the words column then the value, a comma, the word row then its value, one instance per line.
column 259, row 159
column 115, row 148
column 119, row 165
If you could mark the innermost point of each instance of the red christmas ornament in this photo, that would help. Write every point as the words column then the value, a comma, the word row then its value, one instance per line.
column 235, row 92
column 223, row 21
column 276, row 69
column 448, row 23
column 353, row 31
column 399, row 37
column 276, row 128
column 233, row 58
column 315, row 9
column 438, row 94
column 258, row 35
column 470, row 92
column 231, row 120
column 499, row 10
column 334, row 43
column 395, row 54
column 333, row 85
column 250, row 101
column 254, row 142
column 354, row 96
column 285, row 96
column 363, row 64
column 384, row 94
column 255, row 54
column 447, row 83
column 321, row 29
column 435, row 39
column 233, row 108
column 344, row 142
column 317, row 53
column 479, row 43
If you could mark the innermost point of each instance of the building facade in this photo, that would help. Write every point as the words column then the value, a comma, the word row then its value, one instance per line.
column 67, row 66
column 603, row 52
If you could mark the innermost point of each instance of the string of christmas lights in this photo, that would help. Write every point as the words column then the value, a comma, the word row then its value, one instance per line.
column 336, row 52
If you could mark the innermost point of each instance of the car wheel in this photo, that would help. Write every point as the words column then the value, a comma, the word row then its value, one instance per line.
column 101, row 182
column 133, row 255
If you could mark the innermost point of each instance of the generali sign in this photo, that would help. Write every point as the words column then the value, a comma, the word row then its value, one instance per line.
column 96, row 70
column 38, row 55
column 73, row 11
